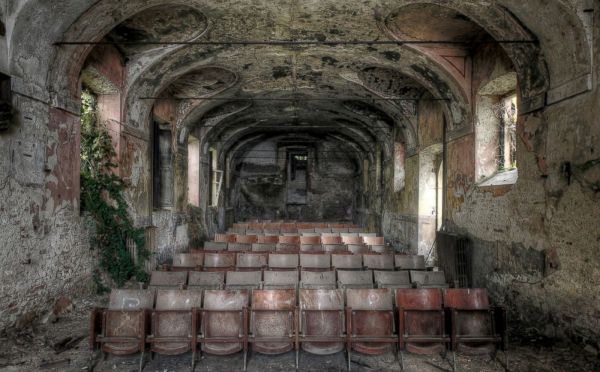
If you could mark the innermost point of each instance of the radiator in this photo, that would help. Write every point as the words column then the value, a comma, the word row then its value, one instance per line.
column 454, row 258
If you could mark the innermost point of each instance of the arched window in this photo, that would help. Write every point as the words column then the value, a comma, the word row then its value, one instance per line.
column 193, row 171
column 506, row 112
column 495, row 132
column 216, row 178
column 399, row 173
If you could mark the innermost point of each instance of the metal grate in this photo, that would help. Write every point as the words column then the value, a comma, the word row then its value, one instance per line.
column 454, row 258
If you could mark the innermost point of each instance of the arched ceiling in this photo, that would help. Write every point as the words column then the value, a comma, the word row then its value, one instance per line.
column 201, row 83
column 285, row 85
column 310, row 83
column 35, row 57
column 306, row 85
column 423, row 22
column 158, row 24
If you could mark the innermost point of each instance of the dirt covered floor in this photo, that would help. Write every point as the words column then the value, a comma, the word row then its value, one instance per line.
column 61, row 345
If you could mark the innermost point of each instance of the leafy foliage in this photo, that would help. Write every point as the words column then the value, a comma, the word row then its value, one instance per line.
column 102, row 197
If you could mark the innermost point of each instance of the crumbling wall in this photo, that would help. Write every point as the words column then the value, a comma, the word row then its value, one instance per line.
column 45, row 249
column 258, row 189
column 407, row 224
column 536, row 243
column 400, row 209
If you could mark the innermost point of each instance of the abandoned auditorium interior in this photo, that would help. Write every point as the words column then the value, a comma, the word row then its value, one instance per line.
column 253, row 185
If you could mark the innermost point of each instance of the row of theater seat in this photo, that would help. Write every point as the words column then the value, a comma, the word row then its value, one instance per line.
column 348, row 238
column 291, row 225
column 292, row 279
column 249, row 260
column 283, row 247
column 369, row 321
column 283, row 231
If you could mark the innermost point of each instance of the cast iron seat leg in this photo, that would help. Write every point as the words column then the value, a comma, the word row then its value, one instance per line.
column 193, row 360
column 142, row 360
column 349, row 360
column 454, row 369
column 93, row 360
column 401, row 358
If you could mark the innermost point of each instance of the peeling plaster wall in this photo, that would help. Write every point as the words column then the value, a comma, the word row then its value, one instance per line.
column 431, row 132
column 171, row 235
column 408, row 220
column 430, row 122
column 45, row 241
column 536, row 244
column 400, row 209
column 491, row 66
column 45, row 248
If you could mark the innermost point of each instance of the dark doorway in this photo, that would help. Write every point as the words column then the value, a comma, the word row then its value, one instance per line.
column 297, row 176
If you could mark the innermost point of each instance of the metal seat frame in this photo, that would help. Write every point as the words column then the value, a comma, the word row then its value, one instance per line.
column 187, row 261
column 413, row 302
column 292, row 312
column 140, row 317
column 472, row 301
column 378, row 261
column 304, row 312
column 241, row 338
column 351, row 314
column 155, row 339
column 195, row 285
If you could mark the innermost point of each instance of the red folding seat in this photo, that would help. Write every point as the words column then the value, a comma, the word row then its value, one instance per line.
column 421, row 321
column 247, row 239
column 476, row 328
column 322, row 321
column 187, row 261
column 219, row 261
column 274, row 322
column 370, row 321
column 224, row 322
column 225, row 238
column 175, row 322
column 121, row 328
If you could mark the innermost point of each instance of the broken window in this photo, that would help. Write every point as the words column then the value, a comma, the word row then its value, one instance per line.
column 216, row 178
column 440, row 194
column 495, row 132
column 193, row 171
column 96, row 147
column 399, row 174
column 506, row 111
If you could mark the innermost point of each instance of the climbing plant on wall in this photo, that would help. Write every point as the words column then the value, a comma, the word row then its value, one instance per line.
column 102, row 197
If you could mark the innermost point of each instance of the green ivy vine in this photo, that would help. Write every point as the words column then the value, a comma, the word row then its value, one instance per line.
column 102, row 198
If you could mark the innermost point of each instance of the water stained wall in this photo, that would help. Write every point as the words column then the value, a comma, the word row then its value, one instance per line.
column 263, row 176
